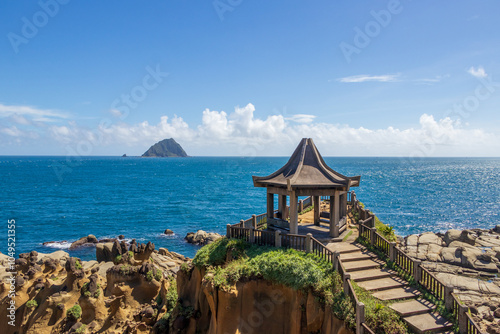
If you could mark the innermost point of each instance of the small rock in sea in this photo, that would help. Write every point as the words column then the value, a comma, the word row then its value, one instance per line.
column 168, row 232
column 121, row 237
column 90, row 239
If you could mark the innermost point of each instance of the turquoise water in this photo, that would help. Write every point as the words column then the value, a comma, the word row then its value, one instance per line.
column 56, row 199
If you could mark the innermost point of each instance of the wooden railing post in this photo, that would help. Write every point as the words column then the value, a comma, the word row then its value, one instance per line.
column 301, row 205
column 252, row 236
column 417, row 272
column 242, row 223
column 309, row 245
column 392, row 251
column 254, row 221
column 347, row 277
column 462, row 319
column 360, row 317
column 448, row 297
column 372, row 235
column 228, row 231
column 336, row 256
column 277, row 238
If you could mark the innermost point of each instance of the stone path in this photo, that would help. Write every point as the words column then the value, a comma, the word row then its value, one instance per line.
column 366, row 270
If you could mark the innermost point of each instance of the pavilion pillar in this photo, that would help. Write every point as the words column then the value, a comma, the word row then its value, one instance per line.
column 343, row 205
column 316, row 210
column 294, row 215
column 334, row 214
column 270, row 205
column 282, row 206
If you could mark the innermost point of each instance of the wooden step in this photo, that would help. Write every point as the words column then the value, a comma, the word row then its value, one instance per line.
column 397, row 293
column 383, row 283
column 362, row 265
column 413, row 307
column 357, row 256
column 371, row 274
column 343, row 248
column 428, row 322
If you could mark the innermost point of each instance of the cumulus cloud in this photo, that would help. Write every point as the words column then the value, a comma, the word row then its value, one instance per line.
column 366, row 78
column 241, row 133
column 477, row 72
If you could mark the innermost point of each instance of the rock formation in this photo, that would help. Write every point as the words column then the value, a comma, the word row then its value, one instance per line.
column 165, row 148
column 468, row 260
column 201, row 237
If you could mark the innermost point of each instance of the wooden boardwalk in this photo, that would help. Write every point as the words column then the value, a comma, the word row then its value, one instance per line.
column 366, row 269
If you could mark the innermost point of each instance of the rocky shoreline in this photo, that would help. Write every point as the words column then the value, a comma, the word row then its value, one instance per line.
column 468, row 260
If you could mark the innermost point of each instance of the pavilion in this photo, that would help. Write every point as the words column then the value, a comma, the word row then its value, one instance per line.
column 306, row 174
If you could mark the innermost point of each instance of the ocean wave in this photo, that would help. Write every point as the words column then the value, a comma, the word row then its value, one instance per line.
column 58, row 244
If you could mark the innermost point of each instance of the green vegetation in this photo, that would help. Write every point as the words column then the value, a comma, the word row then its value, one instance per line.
column 149, row 275
column 118, row 259
column 85, row 290
column 347, row 235
column 78, row 264
column 185, row 267
column 306, row 210
column 130, row 254
column 171, row 299
column 82, row 329
column 158, row 275
column 378, row 315
column 385, row 230
column 289, row 267
column 31, row 304
column 74, row 313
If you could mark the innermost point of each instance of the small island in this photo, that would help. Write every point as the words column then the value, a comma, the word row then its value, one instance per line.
column 166, row 148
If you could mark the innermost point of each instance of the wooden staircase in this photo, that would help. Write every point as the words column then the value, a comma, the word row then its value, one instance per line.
column 366, row 270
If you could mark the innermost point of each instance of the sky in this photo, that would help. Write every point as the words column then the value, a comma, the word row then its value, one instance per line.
column 250, row 78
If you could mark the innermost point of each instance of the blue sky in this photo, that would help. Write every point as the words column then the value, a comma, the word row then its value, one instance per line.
column 240, row 77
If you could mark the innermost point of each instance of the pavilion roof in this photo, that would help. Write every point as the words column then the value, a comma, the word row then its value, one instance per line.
column 306, row 169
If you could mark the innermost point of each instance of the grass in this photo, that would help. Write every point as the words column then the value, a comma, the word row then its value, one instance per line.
column 74, row 312
column 347, row 235
column 306, row 210
column 31, row 304
column 378, row 315
column 78, row 264
column 298, row 270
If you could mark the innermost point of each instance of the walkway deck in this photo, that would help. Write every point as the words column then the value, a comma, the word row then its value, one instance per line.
column 368, row 272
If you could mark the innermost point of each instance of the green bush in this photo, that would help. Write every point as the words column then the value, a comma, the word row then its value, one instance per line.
column 118, row 259
column 31, row 304
column 158, row 275
column 74, row 312
column 78, row 264
column 149, row 275
column 82, row 329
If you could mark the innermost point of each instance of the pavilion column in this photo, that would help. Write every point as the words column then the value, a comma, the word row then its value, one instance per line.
column 316, row 210
column 270, row 205
column 334, row 214
column 282, row 206
column 294, row 215
column 344, row 205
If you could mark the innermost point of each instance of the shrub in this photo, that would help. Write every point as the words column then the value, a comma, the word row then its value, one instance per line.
column 149, row 275
column 82, row 329
column 74, row 312
column 158, row 275
column 31, row 304
column 78, row 264
column 118, row 259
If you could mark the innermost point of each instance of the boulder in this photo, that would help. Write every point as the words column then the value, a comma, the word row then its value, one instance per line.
column 452, row 235
column 168, row 232
column 104, row 252
column 90, row 239
column 201, row 237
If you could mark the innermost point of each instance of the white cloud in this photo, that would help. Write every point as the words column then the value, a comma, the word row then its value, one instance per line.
column 366, row 78
column 478, row 73
column 241, row 133
column 116, row 112
column 301, row 118
column 38, row 115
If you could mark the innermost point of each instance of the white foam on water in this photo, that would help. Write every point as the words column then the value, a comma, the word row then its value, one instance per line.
column 58, row 245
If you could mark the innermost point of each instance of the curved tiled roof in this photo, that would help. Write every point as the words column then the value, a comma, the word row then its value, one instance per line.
column 306, row 169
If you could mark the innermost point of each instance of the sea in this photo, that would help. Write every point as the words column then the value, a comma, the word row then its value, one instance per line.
column 62, row 199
